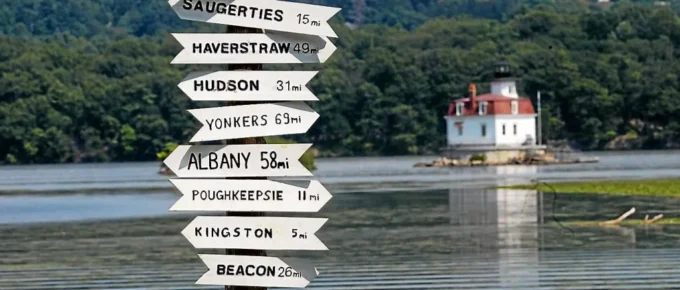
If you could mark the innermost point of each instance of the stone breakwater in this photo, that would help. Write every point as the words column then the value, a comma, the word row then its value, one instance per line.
column 544, row 159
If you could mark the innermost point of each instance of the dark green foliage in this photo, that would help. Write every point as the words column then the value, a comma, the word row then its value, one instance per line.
column 97, row 85
column 88, row 103
column 90, row 18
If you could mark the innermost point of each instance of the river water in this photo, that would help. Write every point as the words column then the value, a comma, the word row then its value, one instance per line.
column 391, row 226
column 99, row 191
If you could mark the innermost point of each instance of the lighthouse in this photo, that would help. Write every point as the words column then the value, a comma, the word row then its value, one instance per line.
column 497, row 124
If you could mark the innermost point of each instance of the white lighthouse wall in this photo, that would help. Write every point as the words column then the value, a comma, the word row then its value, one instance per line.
column 526, row 126
column 472, row 130
column 505, row 88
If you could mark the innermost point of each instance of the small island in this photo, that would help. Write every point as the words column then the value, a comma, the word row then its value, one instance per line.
column 482, row 159
column 497, row 128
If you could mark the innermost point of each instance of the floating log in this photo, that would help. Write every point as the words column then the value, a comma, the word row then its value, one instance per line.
column 620, row 219
column 647, row 221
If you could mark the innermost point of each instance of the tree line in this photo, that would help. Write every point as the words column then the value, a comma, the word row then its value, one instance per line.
column 608, row 78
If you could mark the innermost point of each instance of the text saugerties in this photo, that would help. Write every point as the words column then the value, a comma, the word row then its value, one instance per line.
column 220, row 7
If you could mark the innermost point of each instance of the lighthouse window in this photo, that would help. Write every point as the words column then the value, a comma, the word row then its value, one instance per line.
column 515, row 107
column 459, row 109
column 482, row 108
column 483, row 130
column 503, row 129
column 514, row 129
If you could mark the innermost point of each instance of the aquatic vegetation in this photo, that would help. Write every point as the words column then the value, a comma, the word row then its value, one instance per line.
column 628, row 222
column 657, row 187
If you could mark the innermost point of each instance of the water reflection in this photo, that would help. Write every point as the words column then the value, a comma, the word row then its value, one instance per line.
column 505, row 220
column 513, row 230
column 511, row 216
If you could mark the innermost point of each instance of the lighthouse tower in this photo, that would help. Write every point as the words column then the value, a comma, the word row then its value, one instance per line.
column 498, row 120
column 504, row 83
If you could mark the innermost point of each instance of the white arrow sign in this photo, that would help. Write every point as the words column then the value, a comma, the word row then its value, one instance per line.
column 249, row 195
column 261, row 233
column 256, row 271
column 240, row 48
column 214, row 161
column 263, row 14
column 249, row 86
column 259, row 120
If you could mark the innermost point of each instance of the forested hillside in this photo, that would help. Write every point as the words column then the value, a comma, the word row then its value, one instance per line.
column 106, row 18
column 606, row 76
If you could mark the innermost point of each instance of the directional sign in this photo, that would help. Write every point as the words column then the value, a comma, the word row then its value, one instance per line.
column 249, row 86
column 259, row 233
column 239, row 48
column 214, row 161
column 260, row 120
column 263, row 14
column 256, row 271
column 249, row 195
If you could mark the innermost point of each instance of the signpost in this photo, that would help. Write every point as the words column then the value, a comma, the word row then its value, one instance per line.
column 263, row 14
column 248, row 86
column 266, row 233
column 258, row 140
column 201, row 161
column 256, row 271
column 234, row 122
column 249, row 195
column 225, row 48
column 296, row 33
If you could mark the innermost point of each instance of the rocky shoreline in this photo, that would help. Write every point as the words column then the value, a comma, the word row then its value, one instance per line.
column 545, row 159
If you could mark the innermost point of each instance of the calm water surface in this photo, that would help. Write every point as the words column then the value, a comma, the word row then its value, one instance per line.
column 95, row 191
column 439, row 239
column 350, row 173
column 391, row 226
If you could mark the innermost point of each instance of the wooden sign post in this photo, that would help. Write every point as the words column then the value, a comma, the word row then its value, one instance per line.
column 252, row 140
column 296, row 33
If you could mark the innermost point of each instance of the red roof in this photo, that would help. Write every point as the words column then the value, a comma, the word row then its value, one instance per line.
column 496, row 105
column 488, row 97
